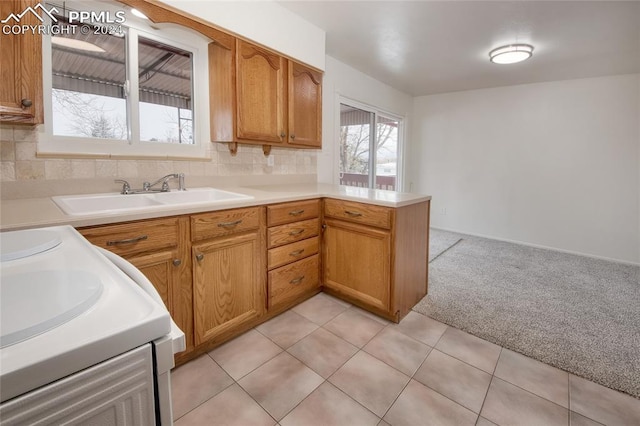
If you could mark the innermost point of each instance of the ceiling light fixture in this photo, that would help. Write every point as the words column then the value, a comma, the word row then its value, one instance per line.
column 73, row 43
column 511, row 54
column 139, row 14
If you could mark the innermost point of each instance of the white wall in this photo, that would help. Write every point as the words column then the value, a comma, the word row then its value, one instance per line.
column 342, row 80
column 264, row 22
column 552, row 164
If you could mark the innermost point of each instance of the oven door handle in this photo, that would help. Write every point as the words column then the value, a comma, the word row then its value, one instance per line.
column 177, row 336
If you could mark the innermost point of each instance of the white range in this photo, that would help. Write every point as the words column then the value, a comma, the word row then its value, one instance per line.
column 84, row 337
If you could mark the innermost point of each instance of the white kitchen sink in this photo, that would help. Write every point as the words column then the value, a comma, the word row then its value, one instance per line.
column 197, row 196
column 78, row 205
column 103, row 203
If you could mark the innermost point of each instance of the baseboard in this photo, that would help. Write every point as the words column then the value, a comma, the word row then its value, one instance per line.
column 523, row 243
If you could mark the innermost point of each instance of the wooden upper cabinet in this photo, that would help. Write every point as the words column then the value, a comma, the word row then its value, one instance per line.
column 260, row 97
column 21, row 64
column 260, row 94
column 255, row 95
column 305, row 106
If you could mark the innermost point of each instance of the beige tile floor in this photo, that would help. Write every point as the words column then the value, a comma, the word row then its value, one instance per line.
column 325, row 362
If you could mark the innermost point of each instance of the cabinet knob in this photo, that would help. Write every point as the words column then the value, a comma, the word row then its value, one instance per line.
column 177, row 262
column 283, row 134
column 293, row 136
column 199, row 257
column 26, row 103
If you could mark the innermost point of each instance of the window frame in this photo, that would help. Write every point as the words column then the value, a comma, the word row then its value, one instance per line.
column 376, row 111
column 170, row 34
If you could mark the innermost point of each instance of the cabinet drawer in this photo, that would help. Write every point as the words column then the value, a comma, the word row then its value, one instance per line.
column 292, row 212
column 288, row 282
column 285, row 234
column 367, row 214
column 135, row 237
column 216, row 224
column 291, row 252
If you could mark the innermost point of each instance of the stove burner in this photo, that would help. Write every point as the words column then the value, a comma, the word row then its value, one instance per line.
column 18, row 245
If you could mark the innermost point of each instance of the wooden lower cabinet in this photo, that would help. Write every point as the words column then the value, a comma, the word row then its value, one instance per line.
column 220, row 273
column 228, row 284
column 288, row 283
column 229, row 272
column 376, row 257
column 293, row 260
column 160, row 269
column 357, row 262
column 160, row 249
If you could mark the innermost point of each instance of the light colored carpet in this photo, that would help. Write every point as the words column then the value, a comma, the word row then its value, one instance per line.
column 579, row 314
column 441, row 241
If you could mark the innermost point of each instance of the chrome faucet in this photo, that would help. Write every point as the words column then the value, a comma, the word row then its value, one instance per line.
column 146, row 186
column 126, row 188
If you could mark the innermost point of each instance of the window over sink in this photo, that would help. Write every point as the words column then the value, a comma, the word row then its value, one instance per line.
column 122, row 86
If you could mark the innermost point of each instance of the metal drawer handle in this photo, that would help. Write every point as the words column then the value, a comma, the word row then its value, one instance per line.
column 199, row 257
column 127, row 241
column 296, row 232
column 297, row 280
column 296, row 212
column 352, row 213
column 296, row 253
column 230, row 224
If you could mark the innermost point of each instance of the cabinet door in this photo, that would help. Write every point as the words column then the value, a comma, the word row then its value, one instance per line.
column 260, row 94
column 161, row 270
column 21, row 63
column 229, row 288
column 357, row 262
column 305, row 106
column 160, row 249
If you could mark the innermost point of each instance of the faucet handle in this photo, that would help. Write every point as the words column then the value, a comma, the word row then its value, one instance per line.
column 126, row 188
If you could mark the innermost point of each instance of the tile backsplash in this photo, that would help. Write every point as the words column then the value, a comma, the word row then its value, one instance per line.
column 21, row 167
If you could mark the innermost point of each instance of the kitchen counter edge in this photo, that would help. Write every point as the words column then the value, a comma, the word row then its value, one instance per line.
column 42, row 212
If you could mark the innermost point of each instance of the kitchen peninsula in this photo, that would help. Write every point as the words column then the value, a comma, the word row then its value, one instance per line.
column 262, row 255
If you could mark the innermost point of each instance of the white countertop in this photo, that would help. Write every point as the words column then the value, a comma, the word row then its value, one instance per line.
column 40, row 212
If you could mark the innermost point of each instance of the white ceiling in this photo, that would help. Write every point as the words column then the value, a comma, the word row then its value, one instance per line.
column 428, row 47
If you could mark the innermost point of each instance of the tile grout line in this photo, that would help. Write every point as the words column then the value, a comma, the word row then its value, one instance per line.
column 326, row 380
column 212, row 396
column 362, row 349
column 489, row 387
column 246, row 374
column 437, row 391
column 409, row 381
column 283, row 350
